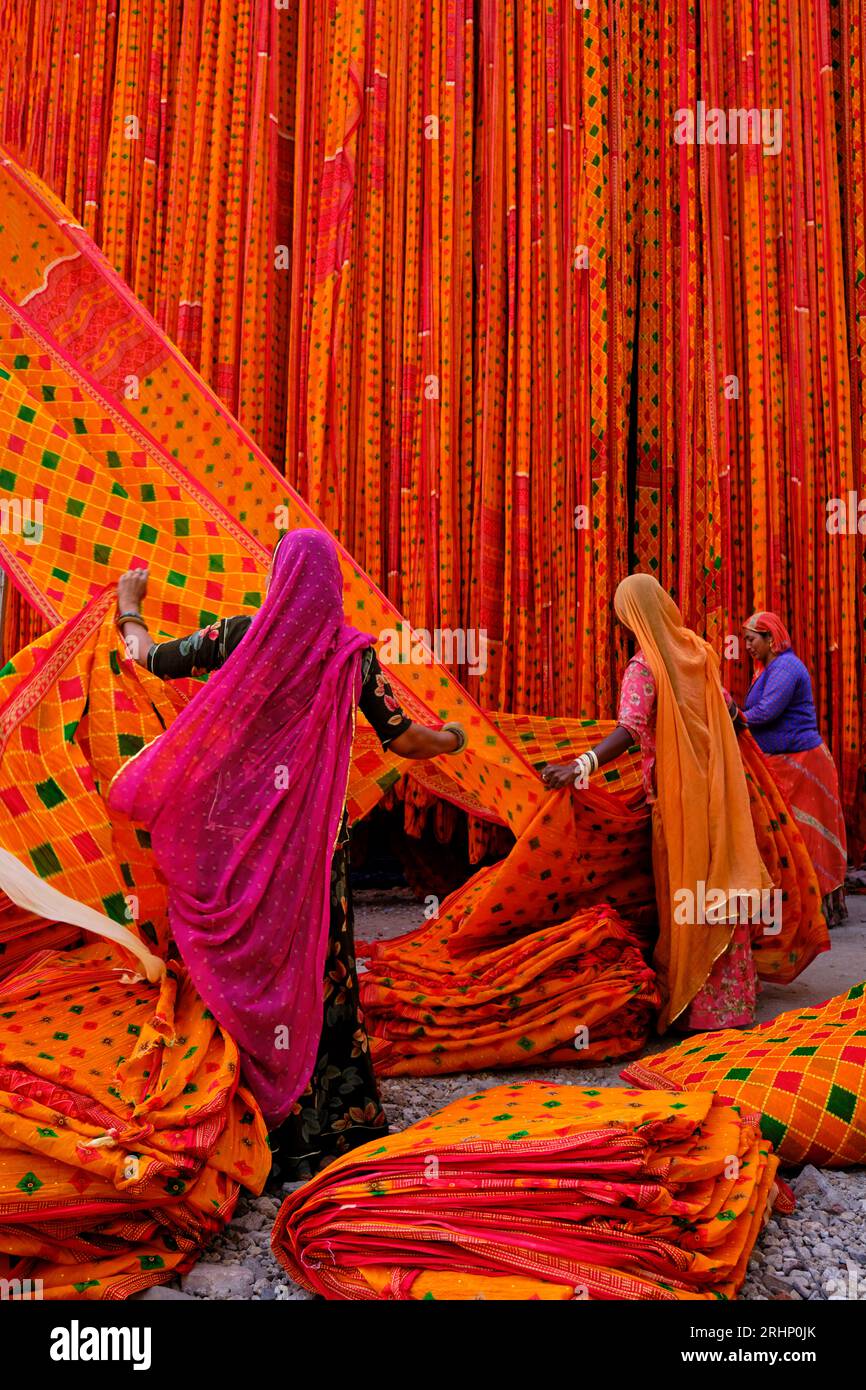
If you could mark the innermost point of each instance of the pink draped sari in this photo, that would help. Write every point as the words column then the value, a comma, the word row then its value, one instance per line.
column 243, row 797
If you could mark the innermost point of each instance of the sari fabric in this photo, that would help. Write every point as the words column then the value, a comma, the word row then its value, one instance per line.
column 703, row 802
column 340, row 1107
column 803, row 767
column 243, row 798
column 540, row 1191
column 804, row 1071
column 166, row 478
column 728, row 998
column 810, row 785
column 124, row 1134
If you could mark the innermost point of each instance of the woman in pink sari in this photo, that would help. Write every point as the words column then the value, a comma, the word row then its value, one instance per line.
column 244, row 797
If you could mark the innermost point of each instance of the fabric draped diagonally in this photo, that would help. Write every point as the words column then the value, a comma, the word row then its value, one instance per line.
column 165, row 477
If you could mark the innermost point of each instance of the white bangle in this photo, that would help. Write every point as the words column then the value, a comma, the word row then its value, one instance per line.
column 584, row 768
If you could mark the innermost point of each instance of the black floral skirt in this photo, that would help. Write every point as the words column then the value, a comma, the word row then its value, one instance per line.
column 340, row 1107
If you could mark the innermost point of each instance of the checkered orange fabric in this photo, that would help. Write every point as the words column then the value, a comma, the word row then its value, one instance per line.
column 97, row 410
column 540, row 1191
column 124, row 1136
column 805, row 1072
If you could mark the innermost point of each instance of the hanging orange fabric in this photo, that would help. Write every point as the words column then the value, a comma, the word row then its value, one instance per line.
column 506, row 336
column 133, row 460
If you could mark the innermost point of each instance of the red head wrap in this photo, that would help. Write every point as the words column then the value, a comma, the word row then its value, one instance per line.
column 774, row 627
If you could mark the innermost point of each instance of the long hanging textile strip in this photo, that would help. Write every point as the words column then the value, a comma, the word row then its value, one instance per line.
column 509, row 336
column 166, row 127
column 108, row 474
column 74, row 707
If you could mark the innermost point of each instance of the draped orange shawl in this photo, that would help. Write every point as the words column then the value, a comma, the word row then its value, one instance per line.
column 703, row 804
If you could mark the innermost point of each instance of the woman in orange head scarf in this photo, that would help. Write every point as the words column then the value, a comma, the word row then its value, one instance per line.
column 705, row 857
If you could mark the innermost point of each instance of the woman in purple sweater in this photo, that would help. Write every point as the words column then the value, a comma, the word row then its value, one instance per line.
column 780, row 712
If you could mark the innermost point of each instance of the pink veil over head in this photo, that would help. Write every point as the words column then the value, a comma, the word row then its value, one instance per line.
column 243, row 797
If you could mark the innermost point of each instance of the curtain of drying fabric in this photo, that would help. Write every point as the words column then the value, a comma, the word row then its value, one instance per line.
column 166, row 127
column 452, row 269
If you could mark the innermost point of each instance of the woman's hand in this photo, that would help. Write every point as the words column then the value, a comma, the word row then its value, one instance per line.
column 131, row 589
column 556, row 775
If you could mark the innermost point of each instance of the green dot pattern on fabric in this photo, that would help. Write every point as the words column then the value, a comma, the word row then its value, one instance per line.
column 45, row 860
column 841, row 1103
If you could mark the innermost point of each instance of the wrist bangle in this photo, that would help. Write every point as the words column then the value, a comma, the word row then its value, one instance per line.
column 454, row 728
column 129, row 618
column 584, row 767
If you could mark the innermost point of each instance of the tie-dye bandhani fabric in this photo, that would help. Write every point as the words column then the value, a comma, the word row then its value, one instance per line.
column 386, row 234
column 124, row 1136
column 540, row 1191
column 74, row 708
column 133, row 460
column 805, row 1071
column 575, row 991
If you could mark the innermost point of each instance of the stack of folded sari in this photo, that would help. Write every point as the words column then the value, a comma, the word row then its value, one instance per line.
column 124, row 1137
column 553, row 938
column 540, row 1191
column 575, row 991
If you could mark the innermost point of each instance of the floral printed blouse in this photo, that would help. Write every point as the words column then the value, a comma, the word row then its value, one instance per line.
column 637, row 713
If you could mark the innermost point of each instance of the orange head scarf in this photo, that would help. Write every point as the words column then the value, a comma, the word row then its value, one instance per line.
column 703, row 835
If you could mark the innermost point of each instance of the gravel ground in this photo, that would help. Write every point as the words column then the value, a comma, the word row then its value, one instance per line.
column 817, row 1253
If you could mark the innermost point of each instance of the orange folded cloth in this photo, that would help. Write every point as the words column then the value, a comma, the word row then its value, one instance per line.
column 124, row 1136
column 540, row 1191
column 805, row 1072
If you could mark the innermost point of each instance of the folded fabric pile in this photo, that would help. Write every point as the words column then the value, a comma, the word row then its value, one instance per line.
column 805, row 1072
column 540, row 1191
column 164, row 477
column 555, row 936
column 576, row 991
column 124, row 1136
